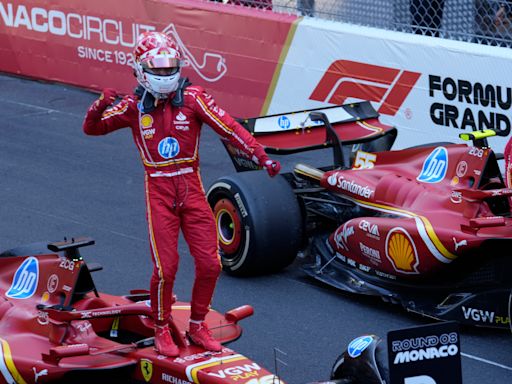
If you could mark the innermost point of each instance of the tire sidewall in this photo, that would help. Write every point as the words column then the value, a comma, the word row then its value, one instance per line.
column 271, row 219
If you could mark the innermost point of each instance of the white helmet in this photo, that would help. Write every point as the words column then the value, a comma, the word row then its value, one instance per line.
column 157, row 63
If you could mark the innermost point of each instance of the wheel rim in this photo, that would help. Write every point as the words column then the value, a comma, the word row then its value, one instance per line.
column 229, row 226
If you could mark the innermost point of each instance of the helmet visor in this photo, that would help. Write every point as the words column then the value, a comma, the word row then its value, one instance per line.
column 160, row 62
column 162, row 71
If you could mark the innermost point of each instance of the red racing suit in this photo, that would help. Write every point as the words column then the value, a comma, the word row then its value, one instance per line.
column 168, row 141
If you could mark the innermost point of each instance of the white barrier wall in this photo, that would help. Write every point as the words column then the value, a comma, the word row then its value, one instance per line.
column 431, row 89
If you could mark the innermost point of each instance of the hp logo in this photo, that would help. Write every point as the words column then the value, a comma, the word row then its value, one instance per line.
column 25, row 280
column 168, row 147
column 357, row 346
column 435, row 166
column 284, row 122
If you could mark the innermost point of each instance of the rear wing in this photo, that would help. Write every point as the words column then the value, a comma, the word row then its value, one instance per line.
column 339, row 127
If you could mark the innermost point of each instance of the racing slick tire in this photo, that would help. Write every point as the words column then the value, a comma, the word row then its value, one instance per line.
column 259, row 222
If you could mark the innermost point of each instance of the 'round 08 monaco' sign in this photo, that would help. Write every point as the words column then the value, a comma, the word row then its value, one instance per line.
column 425, row 355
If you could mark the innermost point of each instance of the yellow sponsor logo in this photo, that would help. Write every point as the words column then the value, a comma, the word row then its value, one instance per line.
column 146, row 367
column 146, row 121
column 45, row 297
column 401, row 251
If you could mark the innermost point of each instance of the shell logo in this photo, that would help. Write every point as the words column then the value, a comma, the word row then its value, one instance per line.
column 146, row 121
column 400, row 250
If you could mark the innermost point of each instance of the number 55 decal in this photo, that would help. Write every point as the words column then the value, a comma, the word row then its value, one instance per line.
column 364, row 160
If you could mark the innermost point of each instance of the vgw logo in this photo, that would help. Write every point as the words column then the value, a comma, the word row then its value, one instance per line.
column 388, row 87
column 25, row 280
column 435, row 166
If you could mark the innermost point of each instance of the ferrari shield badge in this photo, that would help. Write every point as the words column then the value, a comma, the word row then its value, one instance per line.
column 146, row 367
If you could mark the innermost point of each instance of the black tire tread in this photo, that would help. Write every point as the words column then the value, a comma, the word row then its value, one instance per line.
column 274, row 219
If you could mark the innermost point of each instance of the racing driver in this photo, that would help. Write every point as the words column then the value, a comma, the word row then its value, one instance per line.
column 165, row 115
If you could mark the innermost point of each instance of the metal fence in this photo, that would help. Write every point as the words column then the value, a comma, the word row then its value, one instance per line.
column 477, row 21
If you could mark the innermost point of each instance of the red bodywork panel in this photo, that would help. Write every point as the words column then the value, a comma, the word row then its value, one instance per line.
column 43, row 344
column 436, row 203
column 420, row 208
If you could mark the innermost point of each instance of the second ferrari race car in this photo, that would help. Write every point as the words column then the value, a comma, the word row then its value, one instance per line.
column 56, row 327
column 427, row 227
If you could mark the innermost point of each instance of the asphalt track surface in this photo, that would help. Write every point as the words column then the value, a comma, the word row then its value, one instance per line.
column 55, row 182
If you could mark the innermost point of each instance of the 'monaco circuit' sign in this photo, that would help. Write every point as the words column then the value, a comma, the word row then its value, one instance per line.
column 83, row 44
column 257, row 62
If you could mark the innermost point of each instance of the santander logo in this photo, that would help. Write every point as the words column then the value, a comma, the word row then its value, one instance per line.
column 388, row 87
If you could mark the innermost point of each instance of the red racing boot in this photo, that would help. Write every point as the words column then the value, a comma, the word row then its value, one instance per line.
column 164, row 343
column 200, row 335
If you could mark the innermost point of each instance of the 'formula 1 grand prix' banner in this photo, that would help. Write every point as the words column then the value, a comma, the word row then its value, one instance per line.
column 231, row 51
column 431, row 89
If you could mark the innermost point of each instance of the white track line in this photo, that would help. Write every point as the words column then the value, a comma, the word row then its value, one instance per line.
column 41, row 109
column 487, row 361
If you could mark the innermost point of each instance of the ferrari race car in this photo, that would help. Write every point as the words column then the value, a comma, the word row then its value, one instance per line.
column 56, row 327
column 427, row 227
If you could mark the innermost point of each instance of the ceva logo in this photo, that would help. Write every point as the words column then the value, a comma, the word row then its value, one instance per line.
column 388, row 87
column 435, row 166
column 357, row 346
column 25, row 280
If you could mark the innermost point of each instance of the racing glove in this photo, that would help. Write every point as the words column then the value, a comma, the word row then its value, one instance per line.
column 107, row 98
column 272, row 166
column 261, row 158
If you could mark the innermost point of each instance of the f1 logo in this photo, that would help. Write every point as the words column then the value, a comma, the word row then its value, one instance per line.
column 386, row 86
